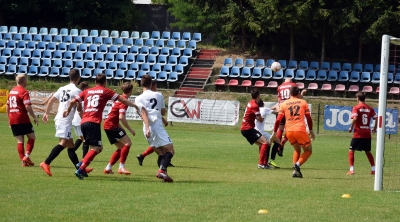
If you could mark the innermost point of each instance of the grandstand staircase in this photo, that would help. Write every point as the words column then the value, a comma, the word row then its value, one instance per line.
column 198, row 74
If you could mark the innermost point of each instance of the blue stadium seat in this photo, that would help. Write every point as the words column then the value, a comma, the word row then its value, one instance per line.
column 93, row 48
column 257, row 73
column 228, row 62
column 22, row 30
column 224, row 71
column 41, row 46
column 176, row 52
column 3, row 60
column 118, row 42
column 82, row 48
column 44, row 71
column 3, row 69
column 238, row 62
column 99, row 57
column 292, row 64
column 346, row 67
column 47, row 55
column 179, row 69
column 22, row 69
column 196, row 37
column 289, row 74
column 186, row 36
column 141, row 58
column 109, row 57
column 28, row 37
column 98, row 41
column 155, row 35
column 94, row 33
column 162, row 76
column 314, row 65
column 96, row 72
column 123, row 49
column 151, row 59
column 113, row 49
column 54, row 72
column 90, row 65
column 47, row 39
column 53, row 31
column 326, row 66
column 7, row 36
column 57, row 39
column 130, row 75
column 166, row 35
column 33, row 71
column 119, row 74
column 153, row 75
column 134, row 50
column 192, row 44
column 114, row 34
column 173, row 60
column 74, row 32
column 62, row 47
column 72, row 47
column 65, row 72
column 109, row 73
column 134, row 67
column 33, row 30
column 181, row 44
column 104, row 33
column 172, row 77
column 103, row 49
column 336, row 67
column 26, row 53
column 171, row 44
column 154, row 51
column 35, row 62
column 235, row 72
column 63, row 32
column 123, row 66
column 184, row 60
column 377, row 67
column 278, row 74
column 156, row 68
column 69, row 64
column 162, row 59
column 67, row 39
column 13, row 30
column 283, row 64
column 144, row 50
column 358, row 67
column 79, row 64
column 128, row 42
column 130, row 58
column 149, row 43
column 3, row 29
column 365, row 77
column 343, row 76
column 17, row 37
column 354, row 76
column 88, row 40
column 145, row 35
column 391, row 68
column 124, row 35
column 332, row 76
column 44, row 31
column 246, row 72
column 267, row 73
column 300, row 74
column 321, row 75
column 108, row 41
column 13, row 61
column 176, row 36
column 139, row 43
column 120, row 57
column 57, row 55
column 3, row 44
column 303, row 65
column 160, row 43
column 249, row 63
column 135, row 35
column 11, row 44
column 311, row 75
column 17, row 52
column 260, row 63
column 396, row 78
column 78, row 56
column 164, row 51
column 30, row 46
column 146, row 67
column 7, row 52
column 140, row 74
column 51, row 47
column 57, row 63
column 368, row 68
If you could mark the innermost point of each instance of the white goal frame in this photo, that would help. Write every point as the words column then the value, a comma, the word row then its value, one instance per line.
column 380, row 138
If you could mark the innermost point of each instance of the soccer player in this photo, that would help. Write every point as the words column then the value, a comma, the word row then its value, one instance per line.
column 18, row 106
column 150, row 149
column 294, row 110
column 95, row 99
column 251, row 114
column 361, row 117
column 159, row 139
column 116, row 134
column 76, row 123
column 64, row 95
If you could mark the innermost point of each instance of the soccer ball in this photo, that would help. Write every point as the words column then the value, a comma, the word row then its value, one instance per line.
column 276, row 66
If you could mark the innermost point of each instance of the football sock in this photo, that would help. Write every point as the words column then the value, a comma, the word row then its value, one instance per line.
column 29, row 147
column 88, row 159
column 109, row 167
column 284, row 140
column 115, row 156
column 351, row 168
column 274, row 150
column 296, row 156
column 370, row 158
column 279, row 134
column 304, row 157
column 121, row 165
column 54, row 153
column 124, row 153
column 160, row 158
column 85, row 149
column 263, row 159
column 351, row 158
column 148, row 151
column 21, row 150
column 77, row 144
column 373, row 168
column 72, row 156
column 166, row 161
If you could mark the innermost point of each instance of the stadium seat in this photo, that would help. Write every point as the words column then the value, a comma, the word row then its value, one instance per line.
column 166, row 35
column 44, row 31
column 57, row 39
column 391, row 68
column 3, row 69
column 368, row 68
column 176, row 36
column 164, row 51
column 312, row 86
column 192, row 45
column 33, row 30
column 139, row 43
column 153, row 75
column 246, row 72
column 184, row 60
column 176, row 52
column 22, row 69
column 396, row 79
column 57, row 63
column 321, row 75
column 257, row 73
column 78, row 56
column 343, row 76
column 235, row 72
column 130, row 75
column 267, row 73
column 181, row 44
column 187, row 53
column 196, row 37
column 13, row 61
column 103, row 49
column 394, row 90
column 62, row 47
column 27, row 53
column 128, row 42
column 315, row 66
column 18, row 38
column 82, row 48
column 88, row 40
column 86, row 73
column 246, row 83
column 13, row 30
column 155, row 35
column 7, row 36
column 17, row 53
column 44, row 71
column 123, row 66
column 113, row 49
column 3, row 29
column 33, row 71
column 118, row 42
column 109, row 57
column 79, row 64
column 340, row 88
column 35, row 62
column 233, row 82
column 135, row 35
column 354, row 88
column 249, row 63
column 145, row 35
column 162, row 76
column 98, row 41
column 109, row 73
column 114, row 34
column 89, row 56
column 140, row 59
column 162, row 59
column 96, row 72
column 300, row 85
column 260, row 63
column 47, row 55
column 8, row 53
column 326, row 66
column 53, row 31
column 289, row 73
column 365, row 77
column 390, row 77
column 41, row 46
column 354, row 76
column 23, row 61
column 99, row 57
column 259, row 84
column 172, row 60
column 130, row 58
column 377, row 89
column 90, row 65
column 278, row 74
column 167, row 68
column 186, row 36
column 104, row 34
column 47, row 39
column 367, row 89
column 28, row 37
column 154, row 51
column 220, row 82
column 292, row 64
column 151, row 59
column 108, row 41
column 65, row 72
column 157, row 68
column 346, row 67
column 112, row 66
column 326, row 87
column 172, row 77
column 63, row 32
column 22, row 30
column 283, row 64
column 68, row 64
column 358, row 67
column 30, row 46
column 311, row 75
column 377, row 67
column 51, row 47
column 238, row 62
column 336, row 66
column 224, row 71
column 332, row 76
column 303, row 65
column 272, row 84
column 119, row 74
column 171, row 44
column 160, row 43
column 120, row 57
column 11, row 44
column 3, row 44
column 73, row 47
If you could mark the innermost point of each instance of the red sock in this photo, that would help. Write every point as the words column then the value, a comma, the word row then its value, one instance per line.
column 115, row 156
column 148, row 151
column 370, row 158
column 21, row 151
column 124, row 154
column 29, row 146
column 351, row 158
column 88, row 159
column 279, row 134
column 284, row 140
column 263, row 154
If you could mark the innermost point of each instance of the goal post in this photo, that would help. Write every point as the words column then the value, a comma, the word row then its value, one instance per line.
column 380, row 141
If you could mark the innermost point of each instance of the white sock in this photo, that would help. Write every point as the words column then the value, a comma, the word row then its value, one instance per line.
column 298, row 163
column 27, row 155
column 108, row 167
column 373, row 168
column 121, row 165
column 352, row 168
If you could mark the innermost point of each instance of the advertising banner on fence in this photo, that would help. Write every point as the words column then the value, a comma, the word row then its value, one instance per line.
column 206, row 111
column 339, row 118
column 131, row 113
column 39, row 101
column 3, row 100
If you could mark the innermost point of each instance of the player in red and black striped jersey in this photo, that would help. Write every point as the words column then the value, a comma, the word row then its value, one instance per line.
column 18, row 107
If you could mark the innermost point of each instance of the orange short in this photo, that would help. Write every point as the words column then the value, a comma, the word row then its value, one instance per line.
column 299, row 137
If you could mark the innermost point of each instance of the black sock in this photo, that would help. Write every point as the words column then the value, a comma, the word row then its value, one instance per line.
column 54, row 153
column 274, row 150
column 160, row 158
column 165, row 161
column 78, row 143
column 72, row 156
column 85, row 150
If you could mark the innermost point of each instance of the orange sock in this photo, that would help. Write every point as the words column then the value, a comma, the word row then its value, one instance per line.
column 304, row 157
column 296, row 156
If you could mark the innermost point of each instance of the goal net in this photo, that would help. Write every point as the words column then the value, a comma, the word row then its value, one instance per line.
column 387, row 172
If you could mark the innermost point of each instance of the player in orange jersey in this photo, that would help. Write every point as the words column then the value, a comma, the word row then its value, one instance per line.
column 294, row 110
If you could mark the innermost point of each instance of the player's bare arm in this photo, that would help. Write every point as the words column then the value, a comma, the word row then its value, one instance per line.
column 71, row 105
column 310, row 125
column 145, row 121
column 259, row 118
column 45, row 117
column 30, row 111
column 122, row 119
column 353, row 123
column 375, row 125
column 79, row 109
column 128, row 103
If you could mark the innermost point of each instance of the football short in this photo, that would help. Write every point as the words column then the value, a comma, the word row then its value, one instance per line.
column 78, row 131
column 251, row 135
column 299, row 137
column 266, row 135
column 158, row 135
column 114, row 135
column 63, row 129
column 22, row 129
column 360, row 144
column 91, row 133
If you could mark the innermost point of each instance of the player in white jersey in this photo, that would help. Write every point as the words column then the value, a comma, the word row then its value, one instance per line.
column 63, row 125
column 159, row 139
column 76, row 123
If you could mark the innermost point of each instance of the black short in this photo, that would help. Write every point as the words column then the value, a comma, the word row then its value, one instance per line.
column 22, row 129
column 251, row 135
column 91, row 133
column 361, row 144
column 114, row 135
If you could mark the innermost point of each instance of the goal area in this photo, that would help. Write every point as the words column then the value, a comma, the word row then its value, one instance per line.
column 387, row 172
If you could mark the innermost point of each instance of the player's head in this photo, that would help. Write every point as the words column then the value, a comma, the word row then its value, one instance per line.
column 260, row 103
column 83, row 85
column 101, row 79
column 288, row 80
column 154, row 86
column 255, row 93
column 21, row 80
column 74, row 75
column 127, row 87
column 361, row 96
column 294, row 91
column 146, row 81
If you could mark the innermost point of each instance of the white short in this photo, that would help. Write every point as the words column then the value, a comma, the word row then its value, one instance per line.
column 266, row 135
column 158, row 135
column 63, row 129
column 78, row 131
